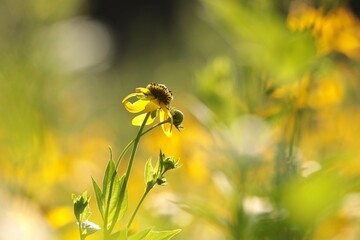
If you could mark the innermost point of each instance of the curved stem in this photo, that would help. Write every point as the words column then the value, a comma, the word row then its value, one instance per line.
column 107, row 231
column 138, row 206
column 133, row 153
column 124, row 151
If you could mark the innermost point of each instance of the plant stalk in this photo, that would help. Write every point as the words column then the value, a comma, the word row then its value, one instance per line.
column 147, row 190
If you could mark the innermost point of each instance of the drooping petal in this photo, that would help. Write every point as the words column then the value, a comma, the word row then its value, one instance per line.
column 166, row 127
column 138, row 120
column 144, row 91
column 129, row 96
column 137, row 106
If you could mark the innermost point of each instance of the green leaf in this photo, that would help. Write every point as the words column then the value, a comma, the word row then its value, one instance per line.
column 120, row 235
column 159, row 164
column 110, row 174
column 117, row 202
column 99, row 197
column 81, row 207
column 161, row 235
column 149, row 172
column 140, row 235
column 122, row 202
column 114, row 196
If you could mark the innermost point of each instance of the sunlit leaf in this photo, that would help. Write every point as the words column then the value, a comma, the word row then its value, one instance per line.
column 114, row 196
column 149, row 172
column 120, row 235
column 140, row 235
column 161, row 235
column 99, row 197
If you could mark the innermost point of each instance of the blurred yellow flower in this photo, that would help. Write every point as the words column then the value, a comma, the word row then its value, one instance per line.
column 337, row 30
column 326, row 93
column 154, row 99
column 297, row 91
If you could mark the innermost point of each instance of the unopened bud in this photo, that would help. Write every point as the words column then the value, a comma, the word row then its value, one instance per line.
column 178, row 118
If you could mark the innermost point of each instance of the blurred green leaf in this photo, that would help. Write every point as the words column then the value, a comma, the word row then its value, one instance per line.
column 262, row 39
column 149, row 172
column 120, row 235
column 312, row 199
column 161, row 235
column 140, row 235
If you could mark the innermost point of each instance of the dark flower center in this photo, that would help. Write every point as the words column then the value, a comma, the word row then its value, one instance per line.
column 160, row 92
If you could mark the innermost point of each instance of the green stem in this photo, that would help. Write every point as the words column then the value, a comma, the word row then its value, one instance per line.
column 127, row 147
column 133, row 153
column 107, row 231
column 82, row 237
column 147, row 190
column 124, row 151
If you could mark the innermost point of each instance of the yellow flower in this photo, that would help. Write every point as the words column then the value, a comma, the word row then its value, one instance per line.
column 337, row 30
column 154, row 99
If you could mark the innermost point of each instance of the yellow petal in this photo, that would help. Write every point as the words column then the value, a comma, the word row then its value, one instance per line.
column 166, row 127
column 129, row 96
column 151, row 106
column 143, row 91
column 137, row 106
column 138, row 120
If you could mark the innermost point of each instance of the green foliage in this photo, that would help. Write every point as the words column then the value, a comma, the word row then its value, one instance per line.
column 112, row 200
column 262, row 40
column 149, row 234
column 81, row 207
column 156, row 175
column 82, row 213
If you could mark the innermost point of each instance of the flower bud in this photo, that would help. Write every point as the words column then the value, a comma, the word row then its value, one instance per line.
column 161, row 181
column 170, row 163
column 81, row 202
column 178, row 118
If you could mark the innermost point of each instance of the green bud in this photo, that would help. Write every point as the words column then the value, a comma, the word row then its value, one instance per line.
column 178, row 118
column 81, row 204
column 170, row 163
column 161, row 181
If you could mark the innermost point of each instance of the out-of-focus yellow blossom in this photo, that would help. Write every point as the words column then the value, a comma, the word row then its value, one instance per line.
column 60, row 216
column 297, row 91
column 336, row 228
column 326, row 92
column 332, row 139
column 323, row 92
column 337, row 30
column 152, row 99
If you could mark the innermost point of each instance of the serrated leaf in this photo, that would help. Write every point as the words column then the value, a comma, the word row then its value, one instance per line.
column 148, row 172
column 99, row 197
column 161, row 235
column 140, row 235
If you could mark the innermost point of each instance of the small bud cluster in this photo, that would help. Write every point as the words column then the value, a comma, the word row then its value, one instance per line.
column 155, row 175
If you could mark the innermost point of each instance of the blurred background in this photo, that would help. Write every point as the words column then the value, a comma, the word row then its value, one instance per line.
column 270, row 92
